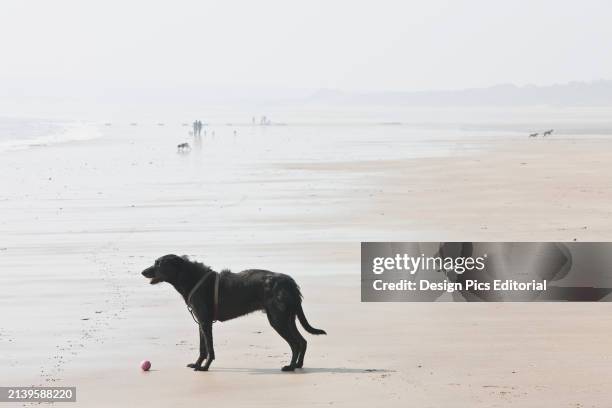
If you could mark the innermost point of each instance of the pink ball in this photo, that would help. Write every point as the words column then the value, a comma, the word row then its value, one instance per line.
column 145, row 365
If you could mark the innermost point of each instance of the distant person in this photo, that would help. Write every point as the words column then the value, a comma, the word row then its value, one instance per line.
column 195, row 128
column 199, row 127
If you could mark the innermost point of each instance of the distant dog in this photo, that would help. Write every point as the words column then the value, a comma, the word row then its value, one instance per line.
column 534, row 135
column 181, row 147
column 212, row 296
column 548, row 132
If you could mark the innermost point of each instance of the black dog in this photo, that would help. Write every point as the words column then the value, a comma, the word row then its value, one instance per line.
column 212, row 296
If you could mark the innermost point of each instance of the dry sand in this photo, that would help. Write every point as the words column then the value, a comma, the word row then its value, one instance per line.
column 79, row 221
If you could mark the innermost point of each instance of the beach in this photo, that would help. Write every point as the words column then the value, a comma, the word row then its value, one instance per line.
column 81, row 219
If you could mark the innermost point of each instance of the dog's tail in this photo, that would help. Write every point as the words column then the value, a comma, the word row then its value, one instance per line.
column 304, row 322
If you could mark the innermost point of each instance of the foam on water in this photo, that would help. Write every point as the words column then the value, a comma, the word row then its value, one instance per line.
column 18, row 134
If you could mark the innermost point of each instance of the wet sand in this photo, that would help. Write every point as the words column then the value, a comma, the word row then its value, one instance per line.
column 80, row 220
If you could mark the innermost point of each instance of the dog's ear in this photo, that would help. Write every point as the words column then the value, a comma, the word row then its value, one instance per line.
column 167, row 267
column 186, row 258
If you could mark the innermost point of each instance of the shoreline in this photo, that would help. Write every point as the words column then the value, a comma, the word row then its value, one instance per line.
column 82, row 220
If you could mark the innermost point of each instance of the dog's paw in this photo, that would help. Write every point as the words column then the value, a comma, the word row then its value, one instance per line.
column 288, row 368
column 200, row 368
column 192, row 365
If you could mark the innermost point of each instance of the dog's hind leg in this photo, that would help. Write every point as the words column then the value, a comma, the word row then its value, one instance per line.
column 302, row 343
column 281, row 323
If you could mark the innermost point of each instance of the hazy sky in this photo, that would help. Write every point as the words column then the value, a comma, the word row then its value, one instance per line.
column 350, row 45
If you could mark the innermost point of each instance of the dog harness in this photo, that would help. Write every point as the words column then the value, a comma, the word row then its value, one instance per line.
column 216, row 295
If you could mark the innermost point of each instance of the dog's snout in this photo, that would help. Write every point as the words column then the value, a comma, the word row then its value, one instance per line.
column 148, row 273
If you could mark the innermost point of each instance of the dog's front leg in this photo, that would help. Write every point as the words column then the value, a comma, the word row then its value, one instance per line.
column 207, row 329
column 203, row 351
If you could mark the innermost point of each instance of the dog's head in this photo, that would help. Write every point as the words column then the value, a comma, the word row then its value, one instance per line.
column 165, row 269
